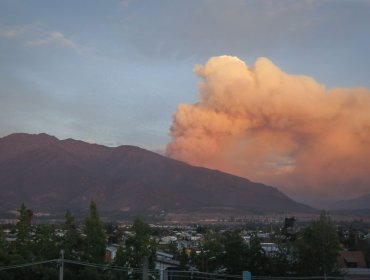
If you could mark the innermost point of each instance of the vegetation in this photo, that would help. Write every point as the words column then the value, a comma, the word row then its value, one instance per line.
column 318, row 248
column 311, row 250
column 72, row 240
column 23, row 241
column 94, row 245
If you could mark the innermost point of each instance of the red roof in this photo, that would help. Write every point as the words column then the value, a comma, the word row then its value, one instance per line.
column 350, row 258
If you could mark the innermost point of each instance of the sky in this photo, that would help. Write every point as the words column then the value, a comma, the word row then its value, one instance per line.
column 117, row 72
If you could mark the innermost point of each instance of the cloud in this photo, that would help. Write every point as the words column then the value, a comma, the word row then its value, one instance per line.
column 269, row 126
column 15, row 32
column 55, row 38
column 8, row 33
column 35, row 35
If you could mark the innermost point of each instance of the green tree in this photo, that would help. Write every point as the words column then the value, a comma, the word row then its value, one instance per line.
column 288, row 231
column 120, row 260
column 72, row 243
column 4, row 258
column 212, row 252
column 46, row 243
column 257, row 261
column 279, row 263
column 140, row 245
column 318, row 248
column 236, row 250
column 120, row 257
column 184, row 259
column 95, row 243
column 172, row 248
column 23, row 227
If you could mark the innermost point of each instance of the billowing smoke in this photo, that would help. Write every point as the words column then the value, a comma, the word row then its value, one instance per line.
column 269, row 126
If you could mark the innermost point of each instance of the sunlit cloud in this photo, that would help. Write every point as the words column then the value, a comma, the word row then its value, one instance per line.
column 269, row 126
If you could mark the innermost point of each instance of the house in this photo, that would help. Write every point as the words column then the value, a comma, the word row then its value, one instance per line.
column 167, row 240
column 352, row 259
column 165, row 262
column 353, row 265
column 110, row 253
column 270, row 248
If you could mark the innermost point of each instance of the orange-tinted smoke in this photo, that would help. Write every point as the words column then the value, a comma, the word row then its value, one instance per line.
column 269, row 126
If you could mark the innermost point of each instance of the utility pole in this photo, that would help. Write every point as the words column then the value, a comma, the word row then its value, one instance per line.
column 145, row 268
column 61, row 264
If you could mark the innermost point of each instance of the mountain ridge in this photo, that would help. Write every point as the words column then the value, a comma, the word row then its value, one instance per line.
column 53, row 175
column 359, row 203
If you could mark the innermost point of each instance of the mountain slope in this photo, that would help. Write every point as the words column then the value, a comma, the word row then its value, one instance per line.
column 54, row 175
column 359, row 203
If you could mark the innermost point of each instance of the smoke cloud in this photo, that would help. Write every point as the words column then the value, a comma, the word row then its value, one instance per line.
column 269, row 126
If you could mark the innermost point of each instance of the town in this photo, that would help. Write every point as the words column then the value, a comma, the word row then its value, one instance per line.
column 93, row 249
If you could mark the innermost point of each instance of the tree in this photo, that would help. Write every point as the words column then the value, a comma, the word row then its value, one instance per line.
column 45, row 244
column 120, row 257
column 256, row 258
column 280, row 263
column 288, row 229
column 184, row 259
column 72, row 240
column 235, row 252
column 212, row 252
column 94, row 248
column 3, row 251
column 140, row 245
column 355, row 241
column 318, row 248
column 172, row 248
column 23, row 227
column 69, row 221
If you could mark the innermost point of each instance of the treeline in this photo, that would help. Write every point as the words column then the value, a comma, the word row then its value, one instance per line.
column 41, row 242
column 309, row 251
column 312, row 250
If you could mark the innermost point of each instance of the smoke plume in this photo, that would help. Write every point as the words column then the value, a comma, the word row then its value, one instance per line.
column 269, row 126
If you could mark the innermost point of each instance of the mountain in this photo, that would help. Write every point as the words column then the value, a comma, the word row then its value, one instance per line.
column 359, row 203
column 51, row 175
